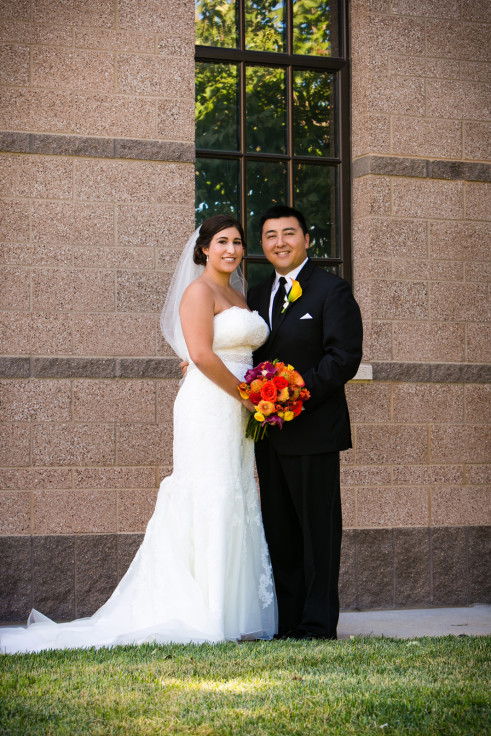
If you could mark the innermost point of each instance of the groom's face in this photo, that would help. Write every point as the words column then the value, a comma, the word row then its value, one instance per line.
column 284, row 243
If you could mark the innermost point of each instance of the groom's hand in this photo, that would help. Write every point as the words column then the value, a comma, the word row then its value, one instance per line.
column 183, row 365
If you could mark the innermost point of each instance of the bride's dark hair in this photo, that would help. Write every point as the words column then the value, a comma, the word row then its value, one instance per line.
column 208, row 229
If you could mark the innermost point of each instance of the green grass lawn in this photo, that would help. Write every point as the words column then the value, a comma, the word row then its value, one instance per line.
column 357, row 686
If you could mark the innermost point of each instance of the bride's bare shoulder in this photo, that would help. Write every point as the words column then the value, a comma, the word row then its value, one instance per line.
column 198, row 294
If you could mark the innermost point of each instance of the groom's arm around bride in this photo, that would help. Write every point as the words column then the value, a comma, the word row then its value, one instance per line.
column 320, row 334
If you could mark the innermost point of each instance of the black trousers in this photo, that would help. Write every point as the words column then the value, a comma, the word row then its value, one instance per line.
column 301, row 507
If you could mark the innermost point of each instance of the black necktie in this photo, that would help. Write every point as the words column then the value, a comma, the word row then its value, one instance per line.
column 278, row 301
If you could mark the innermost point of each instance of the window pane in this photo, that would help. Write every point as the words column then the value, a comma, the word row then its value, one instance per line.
column 315, row 27
column 256, row 272
column 313, row 113
column 266, row 186
column 265, row 25
column 217, row 23
column 217, row 188
column 315, row 196
column 265, row 109
column 216, row 106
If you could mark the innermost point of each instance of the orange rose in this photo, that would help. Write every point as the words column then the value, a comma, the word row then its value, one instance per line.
column 268, row 391
column 266, row 408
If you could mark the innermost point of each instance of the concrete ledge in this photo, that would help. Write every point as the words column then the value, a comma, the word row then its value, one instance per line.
column 421, row 168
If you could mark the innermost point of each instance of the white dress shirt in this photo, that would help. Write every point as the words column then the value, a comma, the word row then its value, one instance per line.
column 276, row 284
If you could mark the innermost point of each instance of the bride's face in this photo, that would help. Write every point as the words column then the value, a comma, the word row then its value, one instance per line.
column 225, row 250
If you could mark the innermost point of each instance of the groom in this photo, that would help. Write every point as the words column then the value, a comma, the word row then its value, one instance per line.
column 320, row 334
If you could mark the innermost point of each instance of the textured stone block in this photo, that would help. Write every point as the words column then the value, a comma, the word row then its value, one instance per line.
column 478, row 343
column 14, row 444
column 15, row 291
column 348, row 501
column 479, row 541
column 450, row 9
column 365, row 476
column 149, row 368
column 459, row 241
column 141, row 15
column 128, row 546
column 33, row 334
column 14, row 64
column 375, row 568
column 71, row 145
column 141, row 292
column 478, row 404
column 175, row 120
column 96, row 571
column 428, row 403
column 125, row 258
column 414, row 137
column 453, row 444
column 459, row 302
column 73, row 368
column 121, row 401
column 477, row 201
column 395, row 444
column 389, row 166
column 144, row 444
column 476, row 70
column 15, row 512
column 449, row 562
column 154, row 150
column 466, row 505
column 66, row 223
column 42, row 110
column 400, row 299
column 14, row 368
column 15, row 142
column 14, row 222
column 33, row 400
column 477, row 474
column 75, row 12
column 371, row 196
column 134, row 181
column 15, row 579
column 370, row 133
column 388, row 95
column 73, row 291
column 73, row 444
column 114, row 478
column 18, row 12
column 392, row 507
column 72, row 69
column 465, row 170
column 166, row 395
column 458, row 40
column 38, row 478
column 122, row 334
column 410, row 475
column 378, row 340
column 423, row 67
column 401, row 372
column 74, row 512
column 368, row 402
column 412, row 567
column 428, row 199
column 121, row 41
column 147, row 225
column 35, row 176
column 54, row 576
column 32, row 33
column 155, row 75
column 35, row 255
column 135, row 507
column 114, row 115
column 465, row 100
column 347, row 572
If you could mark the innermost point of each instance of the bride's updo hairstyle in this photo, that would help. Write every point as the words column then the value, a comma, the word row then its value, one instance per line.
column 208, row 230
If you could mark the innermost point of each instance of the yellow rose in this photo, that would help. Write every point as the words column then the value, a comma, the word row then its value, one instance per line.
column 288, row 416
column 259, row 417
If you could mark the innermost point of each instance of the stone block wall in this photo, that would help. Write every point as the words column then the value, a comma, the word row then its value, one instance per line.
column 96, row 201
column 416, row 484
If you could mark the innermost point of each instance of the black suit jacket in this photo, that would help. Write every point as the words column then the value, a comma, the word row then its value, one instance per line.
column 326, row 349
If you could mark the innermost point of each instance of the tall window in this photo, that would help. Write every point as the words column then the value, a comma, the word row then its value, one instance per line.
column 272, row 119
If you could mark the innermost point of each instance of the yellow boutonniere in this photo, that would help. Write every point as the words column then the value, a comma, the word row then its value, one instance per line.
column 294, row 294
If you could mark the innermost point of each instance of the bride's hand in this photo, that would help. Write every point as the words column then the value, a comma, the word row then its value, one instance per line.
column 183, row 365
column 248, row 405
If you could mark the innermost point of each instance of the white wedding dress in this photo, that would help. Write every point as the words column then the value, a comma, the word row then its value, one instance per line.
column 202, row 573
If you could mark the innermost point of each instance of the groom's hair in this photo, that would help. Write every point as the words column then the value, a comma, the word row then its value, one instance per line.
column 209, row 228
column 283, row 210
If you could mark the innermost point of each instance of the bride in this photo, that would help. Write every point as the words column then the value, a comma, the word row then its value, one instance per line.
column 202, row 573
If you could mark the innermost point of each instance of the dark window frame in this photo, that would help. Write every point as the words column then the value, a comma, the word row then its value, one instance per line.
column 289, row 61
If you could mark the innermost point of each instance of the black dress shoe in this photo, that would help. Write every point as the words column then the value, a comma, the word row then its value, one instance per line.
column 300, row 634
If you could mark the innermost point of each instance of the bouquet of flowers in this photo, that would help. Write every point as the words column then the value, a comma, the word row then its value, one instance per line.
column 278, row 393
